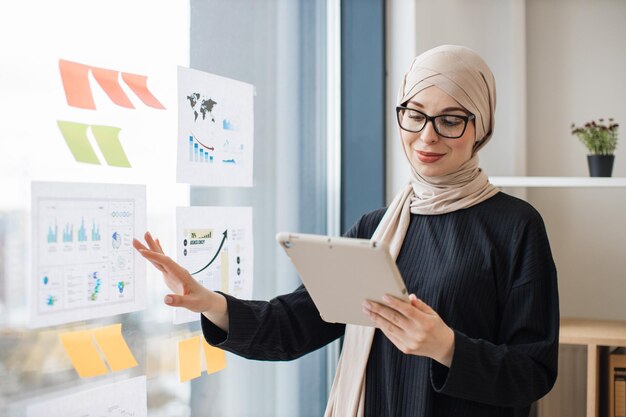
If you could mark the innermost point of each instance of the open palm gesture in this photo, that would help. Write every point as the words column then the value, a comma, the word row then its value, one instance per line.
column 187, row 292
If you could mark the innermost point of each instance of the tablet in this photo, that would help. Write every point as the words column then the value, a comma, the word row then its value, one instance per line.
column 340, row 273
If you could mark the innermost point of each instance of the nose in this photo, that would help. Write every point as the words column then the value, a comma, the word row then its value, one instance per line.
column 428, row 134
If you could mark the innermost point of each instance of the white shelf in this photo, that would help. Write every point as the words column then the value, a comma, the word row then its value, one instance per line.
column 581, row 182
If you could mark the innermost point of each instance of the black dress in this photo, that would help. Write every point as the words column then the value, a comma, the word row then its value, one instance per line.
column 488, row 272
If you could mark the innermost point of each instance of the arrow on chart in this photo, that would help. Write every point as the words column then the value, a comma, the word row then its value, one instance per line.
column 211, row 148
column 216, row 253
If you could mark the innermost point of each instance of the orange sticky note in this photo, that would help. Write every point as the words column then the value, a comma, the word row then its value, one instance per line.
column 75, row 79
column 114, row 347
column 139, row 85
column 189, row 363
column 83, row 353
column 109, row 82
column 215, row 358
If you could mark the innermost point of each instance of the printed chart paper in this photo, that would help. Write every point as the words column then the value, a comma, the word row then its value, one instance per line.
column 84, row 265
column 215, row 130
column 127, row 398
column 215, row 245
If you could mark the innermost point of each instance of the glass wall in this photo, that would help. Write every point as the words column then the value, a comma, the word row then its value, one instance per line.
column 279, row 46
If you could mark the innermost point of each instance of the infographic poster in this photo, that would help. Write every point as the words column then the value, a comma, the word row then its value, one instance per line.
column 126, row 398
column 84, row 265
column 215, row 130
column 215, row 245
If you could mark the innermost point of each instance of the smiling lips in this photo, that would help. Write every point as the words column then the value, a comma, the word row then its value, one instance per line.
column 429, row 157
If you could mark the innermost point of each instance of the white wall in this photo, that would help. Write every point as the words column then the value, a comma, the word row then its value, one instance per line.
column 401, row 48
column 494, row 28
column 577, row 72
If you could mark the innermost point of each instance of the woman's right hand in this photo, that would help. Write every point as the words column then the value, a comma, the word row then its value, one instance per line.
column 188, row 293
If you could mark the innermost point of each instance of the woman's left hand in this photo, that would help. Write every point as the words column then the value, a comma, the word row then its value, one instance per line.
column 413, row 327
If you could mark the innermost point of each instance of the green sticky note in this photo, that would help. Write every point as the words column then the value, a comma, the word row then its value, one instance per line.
column 75, row 135
column 108, row 140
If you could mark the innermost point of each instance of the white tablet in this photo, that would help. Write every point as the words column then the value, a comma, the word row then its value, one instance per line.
column 340, row 273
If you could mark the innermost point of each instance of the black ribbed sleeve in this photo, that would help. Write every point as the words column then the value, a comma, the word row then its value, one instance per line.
column 283, row 328
column 488, row 272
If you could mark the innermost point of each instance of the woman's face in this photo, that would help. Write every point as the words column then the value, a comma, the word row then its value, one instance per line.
column 430, row 154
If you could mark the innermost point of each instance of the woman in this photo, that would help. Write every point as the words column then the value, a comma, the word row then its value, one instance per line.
column 479, row 336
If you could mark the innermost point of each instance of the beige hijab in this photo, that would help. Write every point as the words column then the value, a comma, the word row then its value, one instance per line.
column 463, row 75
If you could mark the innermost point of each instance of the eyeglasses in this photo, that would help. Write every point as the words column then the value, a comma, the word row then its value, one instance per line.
column 451, row 126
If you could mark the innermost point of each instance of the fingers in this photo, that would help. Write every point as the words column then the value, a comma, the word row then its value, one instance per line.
column 395, row 316
column 156, row 265
column 195, row 303
column 173, row 300
column 151, row 243
column 142, row 250
column 138, row 245
column 421, row 305
column 399, row 305
column 150, row 256
column 176, row 277
column 156, row 257
column 162, row 262
column 154, row 246
column 159, row 246
column 413, row 326
column 176, row 272
column 386, row 318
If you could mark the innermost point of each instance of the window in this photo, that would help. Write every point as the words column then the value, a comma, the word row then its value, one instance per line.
column 280, row 47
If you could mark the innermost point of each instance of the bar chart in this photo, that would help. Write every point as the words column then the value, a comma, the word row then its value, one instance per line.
column 53, row 234
column 199, row 152
column 68, row 233
column 82, row 234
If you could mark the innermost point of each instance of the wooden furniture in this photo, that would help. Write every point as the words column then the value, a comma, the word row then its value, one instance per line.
column 597, row 336
column 616, row 384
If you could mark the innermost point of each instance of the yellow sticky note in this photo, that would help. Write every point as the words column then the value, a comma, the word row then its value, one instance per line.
column 224, row 271
column 215, row 358
column 83, row 353
column 114, row 347
column 189, row 363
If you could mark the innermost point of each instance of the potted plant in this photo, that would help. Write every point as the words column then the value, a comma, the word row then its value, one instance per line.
column 601, row 141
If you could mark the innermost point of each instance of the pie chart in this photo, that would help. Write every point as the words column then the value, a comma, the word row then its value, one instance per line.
column 116, row 240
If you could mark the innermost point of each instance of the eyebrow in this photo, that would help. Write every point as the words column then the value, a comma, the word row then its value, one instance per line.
column 420, row 105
